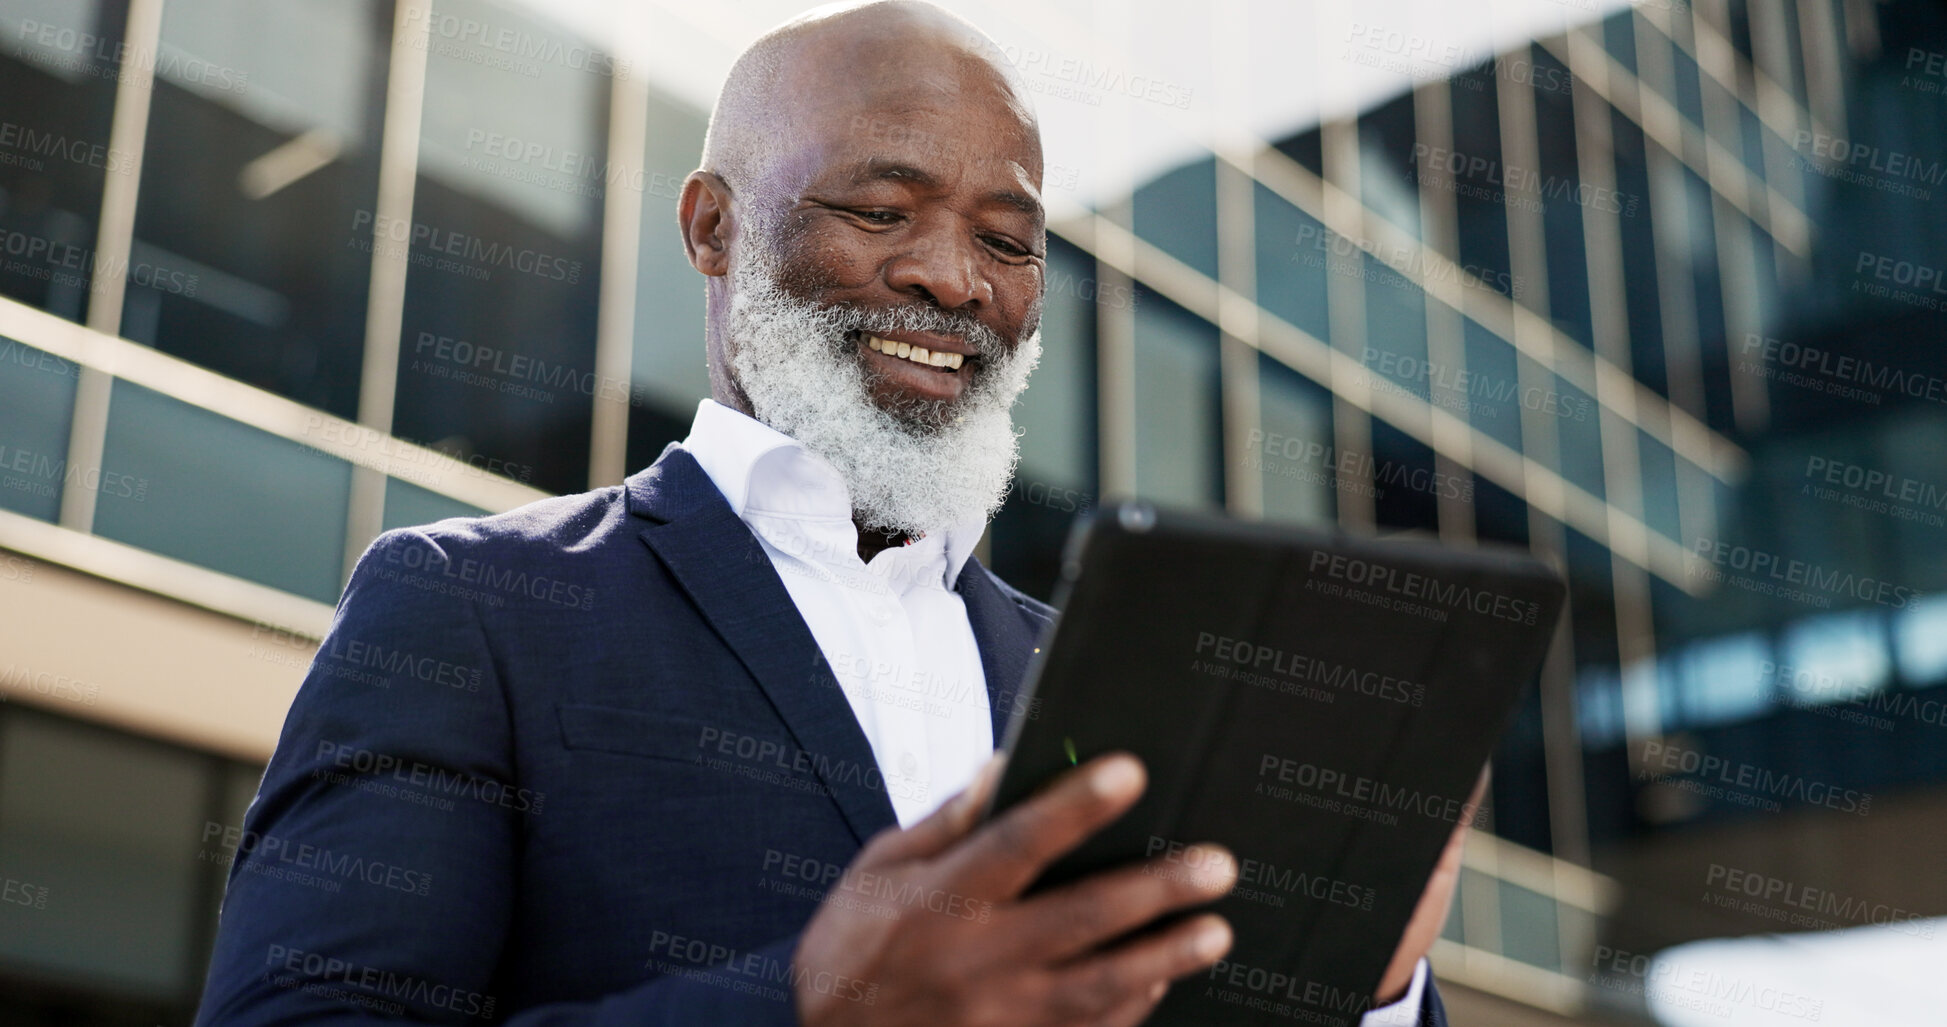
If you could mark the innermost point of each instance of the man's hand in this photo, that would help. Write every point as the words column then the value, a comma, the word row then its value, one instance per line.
column 1431, row 914
column 928, row 927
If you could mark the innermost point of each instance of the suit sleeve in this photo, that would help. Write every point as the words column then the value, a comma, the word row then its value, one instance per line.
column 350, row 903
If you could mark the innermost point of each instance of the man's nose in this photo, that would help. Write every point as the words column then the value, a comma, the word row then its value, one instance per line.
column 944, row 266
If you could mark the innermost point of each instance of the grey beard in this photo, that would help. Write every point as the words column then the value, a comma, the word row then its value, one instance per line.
column 923, row 467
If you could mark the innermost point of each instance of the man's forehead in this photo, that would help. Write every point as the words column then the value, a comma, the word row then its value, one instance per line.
column 925, row 140
column 922, row 89
column 929, row 107
column 923, row 146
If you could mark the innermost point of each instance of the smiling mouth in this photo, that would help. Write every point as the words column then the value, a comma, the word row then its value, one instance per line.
column 938, row 360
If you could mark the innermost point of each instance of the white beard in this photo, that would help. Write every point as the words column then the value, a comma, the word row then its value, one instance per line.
column 914, row 471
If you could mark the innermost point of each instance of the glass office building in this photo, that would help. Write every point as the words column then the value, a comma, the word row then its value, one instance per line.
column 1652, row 290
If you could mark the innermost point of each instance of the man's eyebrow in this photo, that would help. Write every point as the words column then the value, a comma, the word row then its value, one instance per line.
column 880, row 169
column 1018, row 200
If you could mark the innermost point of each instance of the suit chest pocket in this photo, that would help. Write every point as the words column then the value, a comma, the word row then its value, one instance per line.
column 635, row 732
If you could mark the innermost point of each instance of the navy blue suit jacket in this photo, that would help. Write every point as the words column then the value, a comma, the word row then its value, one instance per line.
column 577, row 764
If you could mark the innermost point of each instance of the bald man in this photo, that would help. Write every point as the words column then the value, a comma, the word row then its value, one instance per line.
column 710, row 747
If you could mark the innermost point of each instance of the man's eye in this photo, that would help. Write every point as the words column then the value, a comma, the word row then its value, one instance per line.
column 1005, row 246
column 878, row 217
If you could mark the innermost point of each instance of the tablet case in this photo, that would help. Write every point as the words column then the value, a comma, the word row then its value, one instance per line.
column 1319, row 703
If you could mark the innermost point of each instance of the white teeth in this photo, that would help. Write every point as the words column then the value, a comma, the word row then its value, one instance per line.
column 916, row 354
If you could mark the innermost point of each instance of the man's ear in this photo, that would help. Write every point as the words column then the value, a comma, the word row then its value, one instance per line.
column 703, row 214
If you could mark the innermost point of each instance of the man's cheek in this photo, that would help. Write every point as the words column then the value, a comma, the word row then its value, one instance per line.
column 1019, row 300
column 826, row 258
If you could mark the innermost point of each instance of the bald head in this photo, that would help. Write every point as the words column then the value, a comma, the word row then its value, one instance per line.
column 865, row 71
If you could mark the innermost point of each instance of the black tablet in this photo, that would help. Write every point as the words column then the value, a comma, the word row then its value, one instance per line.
column 1320, row 703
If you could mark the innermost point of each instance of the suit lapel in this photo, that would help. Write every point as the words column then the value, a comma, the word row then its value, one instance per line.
column 1005, row 638
column 725, row 571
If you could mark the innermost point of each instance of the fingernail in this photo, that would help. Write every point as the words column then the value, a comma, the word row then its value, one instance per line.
column 1216, row 870
column 1213, row 940
column 1156, row 990
column 1118, row 777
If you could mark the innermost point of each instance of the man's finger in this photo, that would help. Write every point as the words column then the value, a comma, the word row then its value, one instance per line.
column 1109, row 979
column 1097, row 909
column 1007, row 853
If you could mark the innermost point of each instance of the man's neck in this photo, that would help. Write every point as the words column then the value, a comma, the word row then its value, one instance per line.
column 873, row 541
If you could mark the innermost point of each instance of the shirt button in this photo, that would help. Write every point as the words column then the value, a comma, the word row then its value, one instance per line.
column 908, row 764
column 880, row 614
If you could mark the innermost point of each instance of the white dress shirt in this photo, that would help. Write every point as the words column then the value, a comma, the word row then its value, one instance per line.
column 893, row 630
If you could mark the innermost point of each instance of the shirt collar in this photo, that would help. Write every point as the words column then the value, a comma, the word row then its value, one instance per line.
column 762, row 471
